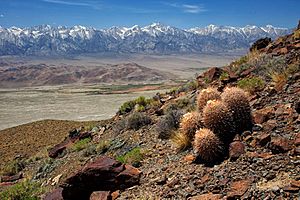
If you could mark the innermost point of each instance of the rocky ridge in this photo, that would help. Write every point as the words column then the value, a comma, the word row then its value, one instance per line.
column 155, row 38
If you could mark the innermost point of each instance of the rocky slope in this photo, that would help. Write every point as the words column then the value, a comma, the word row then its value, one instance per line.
column 261, row 163
column 155, row 38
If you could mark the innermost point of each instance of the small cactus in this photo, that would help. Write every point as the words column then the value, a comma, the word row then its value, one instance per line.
column 190, row 122
column 237, row 101
column 206, row 95
column 208, row 146
column 218, row 118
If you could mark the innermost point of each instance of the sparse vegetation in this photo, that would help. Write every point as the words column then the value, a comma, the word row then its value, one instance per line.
column 251, row 85
column 81, row 144
column 103, row 146
column 13, row 167
column 181, row 140
column 133, row 157
column 136, row 120
column 168, row 123
column 22, row 191
column 224, row 76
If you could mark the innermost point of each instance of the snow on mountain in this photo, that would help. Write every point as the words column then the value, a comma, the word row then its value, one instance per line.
column 154, row 38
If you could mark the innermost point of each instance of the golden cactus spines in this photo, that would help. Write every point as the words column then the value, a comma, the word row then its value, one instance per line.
column 237, row 101
column 206, row 95
column 190, row 122
column 208, row 146
column 219, row 119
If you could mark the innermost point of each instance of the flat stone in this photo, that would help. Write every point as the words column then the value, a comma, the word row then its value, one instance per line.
column 208, row 196
column 100, row 195
column 279, row 145
column 263, row 139
column 238, row 188
column 236, row 149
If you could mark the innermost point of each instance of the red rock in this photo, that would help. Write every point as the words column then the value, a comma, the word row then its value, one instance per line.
column 238, row 188
column 210, row 75
column 263, row 115
column 103, row 174
column 291, row 189
column 100, row 195
column 11, row 178
column 295, row 183
column 236, row 149
column 283, row 50
column 208, row 196
column 279, row 145
column 260, row 44
column 54, row 195
column 263, row 139
column 115, row 194
column 189, row 158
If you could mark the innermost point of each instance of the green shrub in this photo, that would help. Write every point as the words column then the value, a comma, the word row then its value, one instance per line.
column 141, row 101
column 133, row 157
column 22, row 191
column 81, row 144
column 224, row 76
column 89, row 151
column 251, row 84
column 140, row 108
column 137, row 120
column 127, row 107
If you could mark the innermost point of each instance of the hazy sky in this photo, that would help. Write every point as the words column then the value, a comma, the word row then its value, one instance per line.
column 181, row 13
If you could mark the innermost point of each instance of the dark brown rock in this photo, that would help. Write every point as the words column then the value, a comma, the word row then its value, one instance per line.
column 100, row 195
column 238, row 188
column 210, row 75
column 297, row 139
column 279, row 145
column 236, row 149
column 297, row 107
column 54, row 195
column 260, row 44
column 264, row 139
column 103, row 174
column 263, row 115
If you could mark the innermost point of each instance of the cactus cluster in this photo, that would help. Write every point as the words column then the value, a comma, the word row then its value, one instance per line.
column 205, row 95
column 190, row 123
column 220, row 118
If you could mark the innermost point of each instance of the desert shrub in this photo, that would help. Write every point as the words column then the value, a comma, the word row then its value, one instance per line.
column 137, row 120
column 296, row 35
column 127, row 107
column 182, row 103
column 81, row 144
column 133, row 157
column 240, row 61
column 103, row 146
column 22, row 191
column 224, row 76
column 168, row 123
column 181, row 140
column 119, row 126
column 89, row 151
column 251, row 85
column 13, row 167
column 139, row 108
column 141, row 101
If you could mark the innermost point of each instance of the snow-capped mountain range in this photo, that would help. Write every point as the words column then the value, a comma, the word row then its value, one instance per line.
column 155, row 38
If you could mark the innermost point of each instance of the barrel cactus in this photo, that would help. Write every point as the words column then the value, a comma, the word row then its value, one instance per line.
column 237, row 101
column 206, row 95
column 208, row 146
column 190, row 122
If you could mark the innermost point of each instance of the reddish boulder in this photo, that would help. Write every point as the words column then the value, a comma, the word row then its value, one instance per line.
column 260, row 44
column 236, row 149
column 103, row 174
column 263, row 139
column 297, row 139
column 263, row 115
column 210, row 75
column 279, row 145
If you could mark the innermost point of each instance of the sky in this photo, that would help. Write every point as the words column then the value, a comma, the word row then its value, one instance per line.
column 182, row 13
